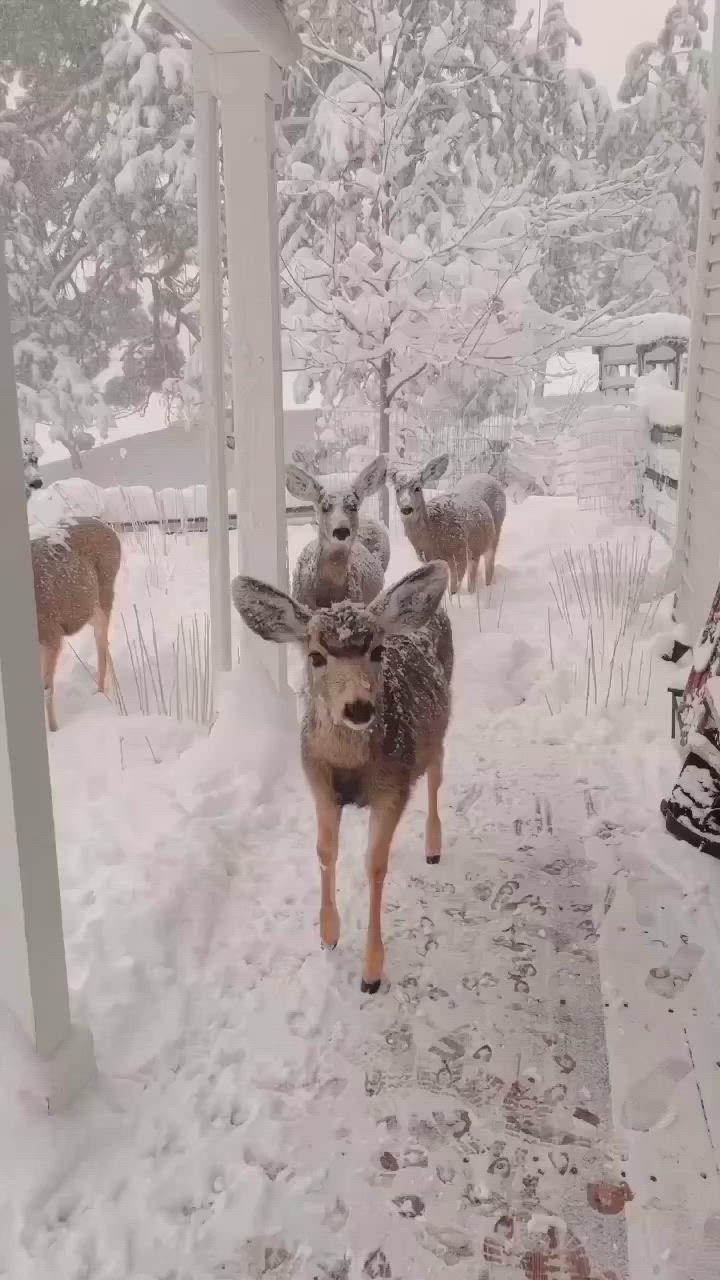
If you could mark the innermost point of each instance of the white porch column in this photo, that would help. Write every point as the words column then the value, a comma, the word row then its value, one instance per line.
column 248, row 86
column 207, row 151
column 33, row 978
column 698, row 505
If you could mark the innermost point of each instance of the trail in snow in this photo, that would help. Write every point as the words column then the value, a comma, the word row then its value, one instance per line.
column 523, row 1100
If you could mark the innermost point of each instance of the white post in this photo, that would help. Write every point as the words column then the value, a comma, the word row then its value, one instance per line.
column 248, row 86
column 706, row 235
column 33, row 977
column 207, row 153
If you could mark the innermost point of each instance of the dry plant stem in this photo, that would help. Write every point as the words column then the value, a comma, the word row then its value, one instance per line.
column 502, row 602
column 191, row 692
column 552, row 659
column 649, row 682
column 612, row 668
column 592, row 659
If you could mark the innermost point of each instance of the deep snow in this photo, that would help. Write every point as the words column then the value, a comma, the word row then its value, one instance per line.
column 546, row 1036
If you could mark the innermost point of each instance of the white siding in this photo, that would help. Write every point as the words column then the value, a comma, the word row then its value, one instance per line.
column 699, row 493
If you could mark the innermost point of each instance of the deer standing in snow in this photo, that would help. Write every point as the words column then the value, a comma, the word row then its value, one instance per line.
column 33, row 479
column 348, row 558
column 460, row 526
column 75, row 565
column 377, row 707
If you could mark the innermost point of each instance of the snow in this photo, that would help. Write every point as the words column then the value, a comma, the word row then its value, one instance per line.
column 254, row 1114
column 702, row 653
column 665, row 407
column 639, row 330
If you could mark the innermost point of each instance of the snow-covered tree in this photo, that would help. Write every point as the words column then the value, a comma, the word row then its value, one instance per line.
column 570, row 115
column 97, row 195
column 402, row 245
column 664, row 93
column 444, row 162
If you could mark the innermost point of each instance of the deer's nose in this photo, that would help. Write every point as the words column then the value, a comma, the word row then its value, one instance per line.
column 36, row 484
column 406, row 510
column 359, row 712
column 342, row 532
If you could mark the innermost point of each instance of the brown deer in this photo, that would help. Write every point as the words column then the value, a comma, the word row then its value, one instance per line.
column 75, row 565
column 33, row 479
column 377, row 707
column 348, row 558
column 460, row 526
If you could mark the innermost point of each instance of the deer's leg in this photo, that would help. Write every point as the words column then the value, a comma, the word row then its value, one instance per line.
column 433, row 828
column 101, row 625
column 473, row 563
column 384, row 817
column 49, row 660
column 457, row 567
column 328, row 835
column 490, row 564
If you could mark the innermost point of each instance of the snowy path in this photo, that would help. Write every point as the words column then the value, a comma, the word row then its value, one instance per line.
column 530, row 1097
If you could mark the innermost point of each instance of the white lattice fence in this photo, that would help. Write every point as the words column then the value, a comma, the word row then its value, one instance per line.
column 611, row 455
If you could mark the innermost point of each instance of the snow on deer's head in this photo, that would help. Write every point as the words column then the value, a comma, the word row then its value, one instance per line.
column 409, row 485
column 30, row 466
column 344, row 644
column 337, row 509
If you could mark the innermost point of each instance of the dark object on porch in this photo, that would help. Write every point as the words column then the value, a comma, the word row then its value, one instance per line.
column 678, row 651
column 692, row 813
column 676, row 696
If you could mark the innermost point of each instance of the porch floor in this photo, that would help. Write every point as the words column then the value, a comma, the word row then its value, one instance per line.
column 534, row 1094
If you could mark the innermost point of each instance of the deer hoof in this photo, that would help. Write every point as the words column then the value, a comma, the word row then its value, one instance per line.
column 432, row 859
column 328, row 946
column 370, row 988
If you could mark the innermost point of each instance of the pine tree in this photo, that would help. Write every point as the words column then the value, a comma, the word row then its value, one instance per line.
column 664, row 94
column 97, row 195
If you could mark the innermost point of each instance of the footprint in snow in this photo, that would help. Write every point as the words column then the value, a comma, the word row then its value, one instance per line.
column 668, row 980
column 648, row 1100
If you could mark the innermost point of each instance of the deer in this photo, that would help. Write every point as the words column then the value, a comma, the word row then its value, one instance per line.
column 376, row 711
column 348, row 558
column 33, row 479
column 75, row 565
column 460, row 526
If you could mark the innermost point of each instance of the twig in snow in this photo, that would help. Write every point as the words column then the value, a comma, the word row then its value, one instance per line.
column 502, row 602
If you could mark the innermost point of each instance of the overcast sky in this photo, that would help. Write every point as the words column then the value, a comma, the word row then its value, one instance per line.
column 611, row 28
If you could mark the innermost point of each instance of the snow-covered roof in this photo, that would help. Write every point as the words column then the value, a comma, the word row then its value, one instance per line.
column 257, row 24
column 638, row 331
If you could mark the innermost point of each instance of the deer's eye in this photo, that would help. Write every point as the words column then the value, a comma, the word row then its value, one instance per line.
column 376, row 653
column 318, row 659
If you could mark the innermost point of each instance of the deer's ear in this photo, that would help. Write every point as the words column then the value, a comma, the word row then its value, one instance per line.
column 301, row 485
column 268, row 612
column 412, row 601
column 371, row 478
column 434, row 470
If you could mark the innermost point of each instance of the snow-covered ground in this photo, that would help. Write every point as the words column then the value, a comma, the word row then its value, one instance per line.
column 534, row 1093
